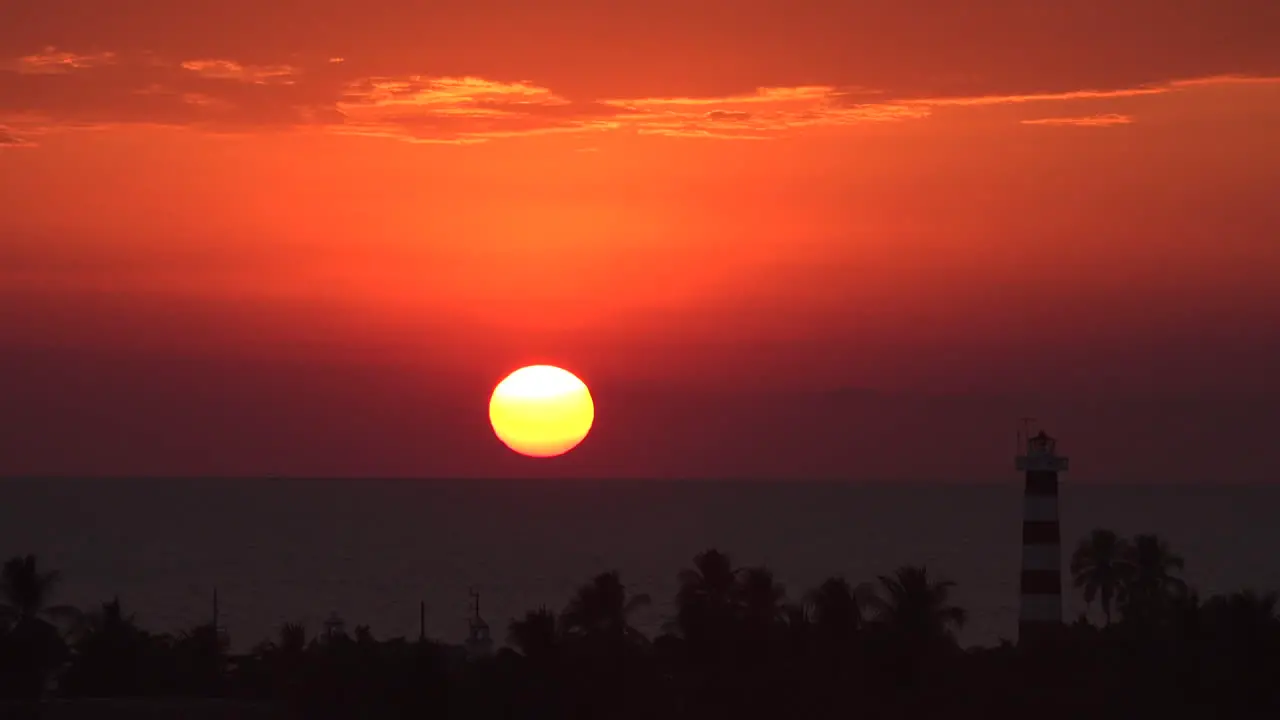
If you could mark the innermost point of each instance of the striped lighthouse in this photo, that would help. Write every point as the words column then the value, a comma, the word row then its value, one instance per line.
column 1040, row 609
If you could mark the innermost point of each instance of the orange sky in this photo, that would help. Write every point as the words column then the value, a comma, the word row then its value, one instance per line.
column 675, row 200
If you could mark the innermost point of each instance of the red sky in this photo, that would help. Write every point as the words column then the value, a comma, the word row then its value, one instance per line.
column 308, row 238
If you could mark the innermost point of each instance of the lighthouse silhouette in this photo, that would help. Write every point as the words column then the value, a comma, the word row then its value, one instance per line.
column 1040, row 609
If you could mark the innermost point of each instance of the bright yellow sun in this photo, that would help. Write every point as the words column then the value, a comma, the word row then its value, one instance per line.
column 541, row 411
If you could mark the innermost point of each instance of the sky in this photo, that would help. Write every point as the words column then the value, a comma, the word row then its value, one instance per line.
column 778, row 239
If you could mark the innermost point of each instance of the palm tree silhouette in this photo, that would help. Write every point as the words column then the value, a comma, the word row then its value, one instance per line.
column 836, row 608
column 110, row 654
column 284, row 659
column 1154, row 577
column 707, row 600
column 917, row 610
column 110, row 622
column 25, row 593
column 799, row 624
column 293, row 639
column 601, row 610
column 1102, row 568
column 32, row 641
column 760, row 597
column 200, row 656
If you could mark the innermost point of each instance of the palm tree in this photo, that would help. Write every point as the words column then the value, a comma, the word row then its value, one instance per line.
column 601, row 610
column 917, row 610
column 110, row 621
column 760, row 597
column 707, row 601
column 200, row 656
column 1101, row 567
column 536, row 636
column 25, row 593
column 798, row 623
column 364, row 636
column 110, row 655
column 290, row 642
column 283, row 660
column 837, row 611
column 1187, row 614
column 836, row 608
column 1154, row 577
column 293, row 639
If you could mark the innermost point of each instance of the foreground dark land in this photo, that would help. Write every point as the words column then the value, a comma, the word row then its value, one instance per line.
column 735, row 649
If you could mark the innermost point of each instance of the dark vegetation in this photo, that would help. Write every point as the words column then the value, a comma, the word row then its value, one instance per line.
column 736, row 648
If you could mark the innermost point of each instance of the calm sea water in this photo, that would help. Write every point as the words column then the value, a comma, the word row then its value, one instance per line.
column 371, row 550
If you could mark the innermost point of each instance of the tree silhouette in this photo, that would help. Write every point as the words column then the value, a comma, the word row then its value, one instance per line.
column 293, row 639
column 603, row 645
column 1154, row 578
column 1254, row 610
column 799, row 626
column 282, row 665
column 34, row 646
column 25, row 593
column 112, row 655
column 536, row 635
column 917, row 610
column 1186, row 615
column 836, row 609
column 1241, row 647
column 760, row 597
column 706, row 602
column 601, row 611
column 878, row 650
column 1246, row 619
column 200, row 657
column 1101, row 566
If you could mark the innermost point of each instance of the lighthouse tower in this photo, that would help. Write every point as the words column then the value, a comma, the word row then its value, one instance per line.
column 1040, row 610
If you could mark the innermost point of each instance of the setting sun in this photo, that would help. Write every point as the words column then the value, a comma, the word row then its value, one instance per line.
column 541, row 411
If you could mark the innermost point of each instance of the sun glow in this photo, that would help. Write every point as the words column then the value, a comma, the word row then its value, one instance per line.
column 541, row 411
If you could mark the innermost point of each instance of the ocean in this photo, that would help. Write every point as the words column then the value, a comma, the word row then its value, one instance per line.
column 370, row 551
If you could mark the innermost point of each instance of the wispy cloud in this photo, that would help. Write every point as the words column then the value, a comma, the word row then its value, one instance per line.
column 53, row 62
column 461, row 110
column 230, row 70
column 1102, row 120
column 9, row 140
column 56, row 89
column 762, row 96
column 766, row 113
column 1226, row 80
column 979, row 100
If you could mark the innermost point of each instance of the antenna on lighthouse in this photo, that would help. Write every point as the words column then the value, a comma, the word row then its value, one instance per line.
column 1024, row 431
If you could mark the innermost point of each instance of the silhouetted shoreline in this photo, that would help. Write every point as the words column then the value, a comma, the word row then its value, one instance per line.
column 734, row 647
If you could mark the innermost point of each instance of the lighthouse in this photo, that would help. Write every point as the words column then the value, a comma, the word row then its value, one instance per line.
column 1040, row 609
